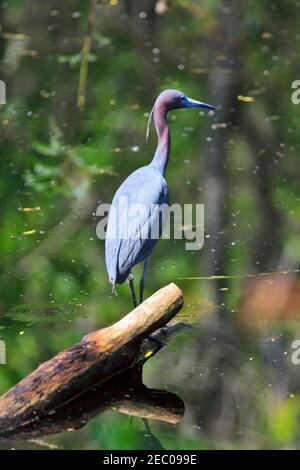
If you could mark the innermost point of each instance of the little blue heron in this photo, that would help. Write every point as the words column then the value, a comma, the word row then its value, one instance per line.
column 126, row 244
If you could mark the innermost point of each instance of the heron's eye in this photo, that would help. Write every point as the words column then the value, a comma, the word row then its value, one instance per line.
column 182, row 98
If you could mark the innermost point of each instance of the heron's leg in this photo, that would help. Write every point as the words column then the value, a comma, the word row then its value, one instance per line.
column 143, row 278
column 131, row 287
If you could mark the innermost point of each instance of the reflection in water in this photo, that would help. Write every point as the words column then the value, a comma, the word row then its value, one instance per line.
column 125, row 393
column 45, row 312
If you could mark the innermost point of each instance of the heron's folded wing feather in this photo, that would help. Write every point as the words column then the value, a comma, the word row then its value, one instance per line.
column 137, row 223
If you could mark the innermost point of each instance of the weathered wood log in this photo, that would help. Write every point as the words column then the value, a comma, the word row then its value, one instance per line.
column 98, row 357
column 124, row 392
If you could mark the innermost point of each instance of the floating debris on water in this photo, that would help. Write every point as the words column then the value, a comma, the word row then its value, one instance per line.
column 30, row 209
column 266, row 35
column 219, row 125
column 134, row 106
column 245, row 99
column 29, row 232
column 239, row 276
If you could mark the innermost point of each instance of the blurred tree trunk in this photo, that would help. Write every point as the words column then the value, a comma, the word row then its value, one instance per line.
column 225, row 83
column 262, row 142
column 227, row 80
column 2, row 40
column 144, row 32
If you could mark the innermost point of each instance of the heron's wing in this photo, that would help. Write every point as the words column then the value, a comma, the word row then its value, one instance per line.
column 136, row 221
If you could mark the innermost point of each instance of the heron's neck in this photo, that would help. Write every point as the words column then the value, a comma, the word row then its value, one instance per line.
column 162, row 152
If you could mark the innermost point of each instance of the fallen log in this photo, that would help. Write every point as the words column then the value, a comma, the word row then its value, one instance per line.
column 124, row 392
column 99, row 356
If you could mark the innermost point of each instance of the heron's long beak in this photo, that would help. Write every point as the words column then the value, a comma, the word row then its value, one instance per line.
column 198, row 104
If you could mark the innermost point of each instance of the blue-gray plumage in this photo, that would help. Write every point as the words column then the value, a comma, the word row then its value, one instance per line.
column 135, row 224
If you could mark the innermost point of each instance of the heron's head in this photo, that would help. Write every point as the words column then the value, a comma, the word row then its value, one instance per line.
column 173, row 99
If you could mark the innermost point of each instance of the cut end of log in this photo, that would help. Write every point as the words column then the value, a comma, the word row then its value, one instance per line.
column 152, row 314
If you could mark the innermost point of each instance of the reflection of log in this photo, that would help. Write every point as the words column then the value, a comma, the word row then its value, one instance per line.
column 152, row 404
column 99, row 356
column 124, row 392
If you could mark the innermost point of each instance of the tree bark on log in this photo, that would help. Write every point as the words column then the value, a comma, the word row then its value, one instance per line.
column 99, row 356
